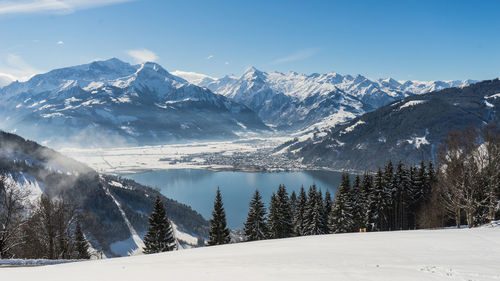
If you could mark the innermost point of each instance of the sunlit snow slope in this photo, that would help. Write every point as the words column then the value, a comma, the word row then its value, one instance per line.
column 468, row 254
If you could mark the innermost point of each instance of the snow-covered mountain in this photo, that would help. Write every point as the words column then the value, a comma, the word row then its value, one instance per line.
column 297, row 101
column 113, row 102
column 409, row 130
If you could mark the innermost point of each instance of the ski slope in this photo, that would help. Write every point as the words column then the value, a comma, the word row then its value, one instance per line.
column 464, row 254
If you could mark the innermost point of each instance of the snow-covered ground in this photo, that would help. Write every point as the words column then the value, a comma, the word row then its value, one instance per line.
column 161, row 157
column 464, row 254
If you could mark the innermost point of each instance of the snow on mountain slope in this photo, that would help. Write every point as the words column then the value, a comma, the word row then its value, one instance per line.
column 410, row 130
column 464, row 254
column 293, row 100
column 113, row 102
column 115, row 210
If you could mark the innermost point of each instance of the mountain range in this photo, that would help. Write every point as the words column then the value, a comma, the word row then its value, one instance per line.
column 293, row 101
column 112, row 103
column 409, row 130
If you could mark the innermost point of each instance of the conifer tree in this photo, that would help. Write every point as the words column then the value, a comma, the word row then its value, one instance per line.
column 219, row 233
column 386, row 217
column 273, row 218
column 160, row 235
column 357, row 203
column 280, row 215
column 401, row 184
column 375, row 205
column 256, row 227
column 300, row 212
column 340, row 219
column 314, row 224
column 81, row 244
column 293, row 203
column 366, row 189
column 327, row 205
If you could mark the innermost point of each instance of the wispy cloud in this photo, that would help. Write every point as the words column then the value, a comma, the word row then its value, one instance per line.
column 52, row 6
column 226, row 63
column 210, row 57
column 299, row 55
column 142, row 55
column 60, row 43
column 13, row 67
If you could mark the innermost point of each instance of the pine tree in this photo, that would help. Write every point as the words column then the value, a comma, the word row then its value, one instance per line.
column 256, row 227
column 401, row 188
column 300, row 212
column 327, row 205
column 357, row 203
column 280, row 215
column 219, row 233
column 366, row 189
column 160, row 235
column 387, row 216
column 340, row 219
column 81, row 244
column 293, row 203
column 314, row 224
column 375, row 205
column 273, row 218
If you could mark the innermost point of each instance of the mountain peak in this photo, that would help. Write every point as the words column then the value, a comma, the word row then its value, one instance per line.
column 252, row 73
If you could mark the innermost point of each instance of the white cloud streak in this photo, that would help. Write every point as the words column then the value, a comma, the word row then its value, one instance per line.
column 142, row 55
column 52, row 6
column 299, row 55
column 13, row 67
column 210, row 57
column 60, row 43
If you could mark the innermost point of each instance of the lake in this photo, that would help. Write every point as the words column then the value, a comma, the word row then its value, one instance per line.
column 197, row 188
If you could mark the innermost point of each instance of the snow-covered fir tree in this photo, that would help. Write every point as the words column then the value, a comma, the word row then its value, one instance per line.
column 357, row 197
column 160, row 235
column 293, row 203
column 256, row 226
column 81, row 244
column 219, row 233
column 366, row 189
column 327, row 205
column 341, row 219
column 374, row 203
column 314, row 219
column 300, row 213
column 280, row 215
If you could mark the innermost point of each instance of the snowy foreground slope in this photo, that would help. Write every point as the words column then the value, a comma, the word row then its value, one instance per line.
column 468, row 254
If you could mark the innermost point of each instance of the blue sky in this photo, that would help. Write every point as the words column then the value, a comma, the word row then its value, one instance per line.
column 422, row 40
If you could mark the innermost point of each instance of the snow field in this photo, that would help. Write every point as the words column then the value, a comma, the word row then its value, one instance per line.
column 464, row 254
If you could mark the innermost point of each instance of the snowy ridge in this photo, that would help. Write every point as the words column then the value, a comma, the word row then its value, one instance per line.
column 309, row 100
column 119, row 103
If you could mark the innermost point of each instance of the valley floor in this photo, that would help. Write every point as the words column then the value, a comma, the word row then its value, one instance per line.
column 248, row 154
column 464, row 254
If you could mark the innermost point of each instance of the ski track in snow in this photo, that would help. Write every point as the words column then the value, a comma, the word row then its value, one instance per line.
column 137, row 239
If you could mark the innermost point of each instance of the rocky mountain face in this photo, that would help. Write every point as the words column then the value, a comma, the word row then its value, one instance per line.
column 295, row 101
column 409, row 130
column 112, row 102
column 114, row 210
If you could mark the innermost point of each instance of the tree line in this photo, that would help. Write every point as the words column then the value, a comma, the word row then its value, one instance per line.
column 50, row 230
column 465, row 188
